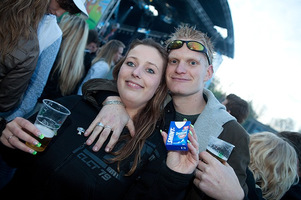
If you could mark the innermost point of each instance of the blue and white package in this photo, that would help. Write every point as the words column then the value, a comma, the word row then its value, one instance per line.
column 178, row 135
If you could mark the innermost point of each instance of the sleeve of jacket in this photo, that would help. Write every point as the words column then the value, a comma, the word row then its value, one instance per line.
column 98, row 70
column 168, row 184
column 239, row 159
column 37, row 81
column 254, row 192
column 22, row 63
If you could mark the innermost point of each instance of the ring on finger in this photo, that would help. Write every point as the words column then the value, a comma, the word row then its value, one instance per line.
column 10, row 137
column 100, row 124
column 109, row 127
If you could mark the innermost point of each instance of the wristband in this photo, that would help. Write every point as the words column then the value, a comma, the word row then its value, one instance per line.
column 112, row 102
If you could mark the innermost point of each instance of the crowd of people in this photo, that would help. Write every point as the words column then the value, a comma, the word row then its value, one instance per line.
column 124, row 104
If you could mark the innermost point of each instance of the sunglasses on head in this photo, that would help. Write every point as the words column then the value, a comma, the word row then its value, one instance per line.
column 192, row 45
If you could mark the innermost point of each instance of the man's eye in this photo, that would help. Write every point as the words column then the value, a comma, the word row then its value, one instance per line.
column 173, row 61
column 193, row 63
column 131, row 64
column 150, row 71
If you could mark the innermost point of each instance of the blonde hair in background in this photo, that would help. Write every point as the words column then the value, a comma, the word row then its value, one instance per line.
column 70, row 60
column 19, row 18
column 186, row 31
column 273, row 162
column 107, row 52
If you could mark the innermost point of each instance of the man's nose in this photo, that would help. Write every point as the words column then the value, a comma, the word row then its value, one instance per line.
column 59, row 13
column 181, row 68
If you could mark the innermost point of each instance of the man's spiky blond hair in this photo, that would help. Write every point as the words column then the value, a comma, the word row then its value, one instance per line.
column 190, row 33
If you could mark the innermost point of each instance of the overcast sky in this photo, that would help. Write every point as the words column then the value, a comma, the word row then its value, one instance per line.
column 266, row 68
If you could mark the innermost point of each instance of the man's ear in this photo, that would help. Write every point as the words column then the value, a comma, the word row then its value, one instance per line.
column 209, row 73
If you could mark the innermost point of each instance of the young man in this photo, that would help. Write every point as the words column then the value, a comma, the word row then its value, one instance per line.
column 189, row 67
column 237, row 107
column 59, row 7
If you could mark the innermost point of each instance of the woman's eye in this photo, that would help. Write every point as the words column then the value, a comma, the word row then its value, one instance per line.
column 131, row 64
column 150, row 71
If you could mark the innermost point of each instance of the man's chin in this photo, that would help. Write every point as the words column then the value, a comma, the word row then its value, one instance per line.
column 178, row 92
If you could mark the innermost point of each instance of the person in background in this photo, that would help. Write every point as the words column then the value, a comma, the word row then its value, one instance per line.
column 59, row 7
column 49, row 37
column 68, row 68
column 107, row 56
column 19, row 52
column 273, row 162
column 189, row 67
column 294, row 138
column 69, row 169
column 19, row 48
column 91, row 48
column 237, row 107
column 110, row 35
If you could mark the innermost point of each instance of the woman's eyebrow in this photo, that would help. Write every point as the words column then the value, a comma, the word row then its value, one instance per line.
column 149, row 62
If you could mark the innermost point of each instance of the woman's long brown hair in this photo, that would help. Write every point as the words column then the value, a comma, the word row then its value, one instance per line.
column 146, row 119
column 19, row 19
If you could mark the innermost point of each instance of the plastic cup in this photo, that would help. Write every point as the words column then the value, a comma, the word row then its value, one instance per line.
column 49, row 119
column 220, row 149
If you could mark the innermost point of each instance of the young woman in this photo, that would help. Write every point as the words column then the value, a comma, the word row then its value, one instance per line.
column 68, row 69
column 19, row 48
column 273, row 161
column 106, row 57
column 138, row 166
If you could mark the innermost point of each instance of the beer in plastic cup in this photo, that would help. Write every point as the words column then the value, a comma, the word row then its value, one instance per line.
column 49, row 119
column 220, row 149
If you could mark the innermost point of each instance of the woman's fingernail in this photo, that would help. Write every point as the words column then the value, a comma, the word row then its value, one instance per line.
column 88, row 142
column 38, row 144
column 41, row 136
column 192, row 125
column 188, row 141
column 184, row 119
column 161, row 131
column 190, row 132
column 33, row 152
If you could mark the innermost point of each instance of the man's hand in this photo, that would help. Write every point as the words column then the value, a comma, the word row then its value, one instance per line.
column 184, row 162
column 217, row 180
column 111, row 118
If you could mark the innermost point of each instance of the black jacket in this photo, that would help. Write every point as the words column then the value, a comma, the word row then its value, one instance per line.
column 69, row 169
column 294, row 193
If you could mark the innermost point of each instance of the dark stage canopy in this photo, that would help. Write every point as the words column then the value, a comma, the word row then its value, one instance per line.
column 158, row 18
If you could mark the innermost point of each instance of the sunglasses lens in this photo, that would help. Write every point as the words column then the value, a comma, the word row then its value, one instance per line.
column 175, row 44
column 195, row 46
